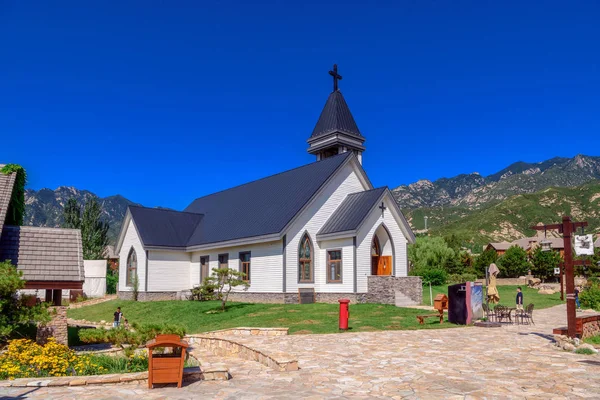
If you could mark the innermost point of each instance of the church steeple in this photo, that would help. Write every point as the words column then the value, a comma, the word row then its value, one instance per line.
column 335, row 131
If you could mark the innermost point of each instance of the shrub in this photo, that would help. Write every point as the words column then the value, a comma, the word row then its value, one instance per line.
column 590, row 297
column 460, row 278
column 112, row 281
column 435, row 276
column 513, row 263
column 25, row 359
column 204, row 292
column 585, row 351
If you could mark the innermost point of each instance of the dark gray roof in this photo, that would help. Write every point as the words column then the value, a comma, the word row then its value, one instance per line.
column 336, row 117
column 44, row 254
column 6, row 187
column 353, row 210
column 256, row 208
column 163, row 227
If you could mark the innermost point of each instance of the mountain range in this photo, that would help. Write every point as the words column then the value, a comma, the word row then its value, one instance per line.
column 478, row 209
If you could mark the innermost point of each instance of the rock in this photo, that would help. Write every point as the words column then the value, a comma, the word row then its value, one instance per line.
column 534, row 281
column 546, row 291
column 568, row 347
column 576, row 342
column 103, row 322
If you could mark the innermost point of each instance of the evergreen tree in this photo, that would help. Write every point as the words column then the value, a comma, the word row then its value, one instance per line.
column 94, row 232
column 72, row 215
column 484, row 260
column 544, row 262
column 513, row 263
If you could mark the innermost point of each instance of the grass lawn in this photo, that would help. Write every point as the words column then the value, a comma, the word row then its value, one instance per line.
column 299, row 318
column 507, row 296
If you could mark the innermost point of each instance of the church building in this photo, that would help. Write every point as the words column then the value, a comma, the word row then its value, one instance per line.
column 321, row 229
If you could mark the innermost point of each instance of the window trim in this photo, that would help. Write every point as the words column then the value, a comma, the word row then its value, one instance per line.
column 241, row 266
column 207, row 257
column 128, row 275
column 219, row 259
column 341, row 280
column 312, row 259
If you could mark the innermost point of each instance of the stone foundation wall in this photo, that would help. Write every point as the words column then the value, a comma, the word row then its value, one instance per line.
column 151, row 296
column 382, row 289
column 247, row 297
column 56, row 328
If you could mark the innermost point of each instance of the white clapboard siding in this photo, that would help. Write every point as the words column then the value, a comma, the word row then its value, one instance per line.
column 266, row 264
column 313, row 218
column 168, row 271
column 132, row 240
column 347, row 285
column 365, row 237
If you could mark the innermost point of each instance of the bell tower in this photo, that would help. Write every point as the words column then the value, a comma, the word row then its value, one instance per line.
column 336, row 132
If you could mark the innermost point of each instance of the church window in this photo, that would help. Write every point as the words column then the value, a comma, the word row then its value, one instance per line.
column 131, row 268
column 223, row 260
column 334, row 266
column 245, row 265
column 305, row 260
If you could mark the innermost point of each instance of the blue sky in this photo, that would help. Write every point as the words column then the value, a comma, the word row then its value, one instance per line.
column 163, row 102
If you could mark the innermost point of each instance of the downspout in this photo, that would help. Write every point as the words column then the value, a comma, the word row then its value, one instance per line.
column 284, row 263
column 146, row 283
column 355, row 266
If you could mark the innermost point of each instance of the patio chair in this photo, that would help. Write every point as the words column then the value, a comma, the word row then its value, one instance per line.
column 490, row 315
column 527, row 314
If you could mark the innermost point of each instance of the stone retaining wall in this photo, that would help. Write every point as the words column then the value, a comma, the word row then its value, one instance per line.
column 93, row 301
column 189, row 374
column 248, row 332
column 225, row 347
column 382, row 289
column 590, row 326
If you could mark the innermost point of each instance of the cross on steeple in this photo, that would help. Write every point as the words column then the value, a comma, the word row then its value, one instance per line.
column 383, row 208
column 336, row 77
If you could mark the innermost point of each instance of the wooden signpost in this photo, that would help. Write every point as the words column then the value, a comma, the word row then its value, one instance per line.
column 567, row 228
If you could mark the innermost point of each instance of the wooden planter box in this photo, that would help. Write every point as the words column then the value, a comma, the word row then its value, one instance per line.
column 166, row 368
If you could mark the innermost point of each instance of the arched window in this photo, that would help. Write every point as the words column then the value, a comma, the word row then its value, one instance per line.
column 131, row 267
column 305, row 260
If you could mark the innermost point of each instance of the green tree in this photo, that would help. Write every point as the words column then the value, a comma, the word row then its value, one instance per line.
column 16, row 207
column 483, row 261
column 14, row 313
column 222, row 282
column 513, row 263
column 544, row 262
column 94, row 232
column 430, row 253
column 72, row 215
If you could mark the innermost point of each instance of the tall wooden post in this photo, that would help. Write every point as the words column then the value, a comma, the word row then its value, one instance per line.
column 570, row 278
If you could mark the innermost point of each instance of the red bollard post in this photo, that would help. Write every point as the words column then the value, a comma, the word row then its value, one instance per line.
column 344, row 314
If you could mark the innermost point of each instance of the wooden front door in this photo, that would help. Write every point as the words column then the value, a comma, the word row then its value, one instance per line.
column 384, row 265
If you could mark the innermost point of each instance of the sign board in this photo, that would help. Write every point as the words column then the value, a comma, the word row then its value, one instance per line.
column 306, row 295
column 556, row 271
column 584, row 245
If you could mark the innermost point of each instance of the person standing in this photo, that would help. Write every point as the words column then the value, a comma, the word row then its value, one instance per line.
column 118, row 315
column 577, row 298
column 519, row 299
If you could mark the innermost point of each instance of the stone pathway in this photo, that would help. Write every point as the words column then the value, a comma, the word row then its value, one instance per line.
column 472, row 363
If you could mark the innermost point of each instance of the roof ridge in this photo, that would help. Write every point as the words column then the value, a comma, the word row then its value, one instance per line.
column 164, row 209
column 346, row 154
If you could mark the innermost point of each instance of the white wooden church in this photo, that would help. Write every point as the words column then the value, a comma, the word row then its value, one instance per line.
column 321, row 226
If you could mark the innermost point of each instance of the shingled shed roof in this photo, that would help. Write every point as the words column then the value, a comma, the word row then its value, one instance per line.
column 6, row 187
column 44, row 254
column 352, row 212
column 336, row 117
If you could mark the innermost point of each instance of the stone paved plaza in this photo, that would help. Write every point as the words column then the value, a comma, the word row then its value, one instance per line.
column 470, row 363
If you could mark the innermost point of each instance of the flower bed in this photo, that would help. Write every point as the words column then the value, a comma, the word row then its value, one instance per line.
column 26, row 359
